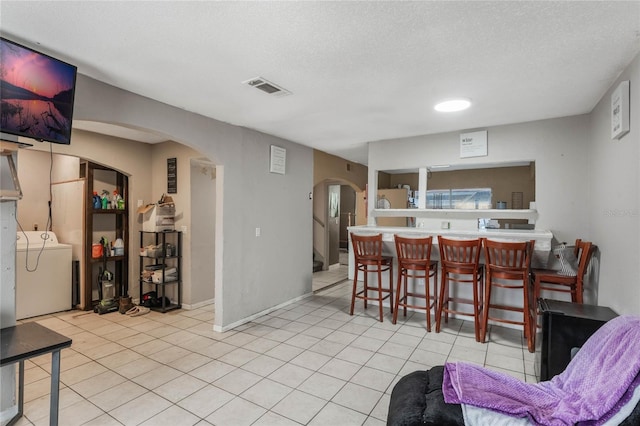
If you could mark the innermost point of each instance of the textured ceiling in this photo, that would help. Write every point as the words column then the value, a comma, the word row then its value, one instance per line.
column 358, row 71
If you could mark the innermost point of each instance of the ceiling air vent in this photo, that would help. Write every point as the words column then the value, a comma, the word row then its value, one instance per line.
column 267, row 86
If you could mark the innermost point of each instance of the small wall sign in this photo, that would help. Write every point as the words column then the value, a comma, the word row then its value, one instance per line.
column 278, row 160
column 172, row 175
column 473, row 144
column 620, row 111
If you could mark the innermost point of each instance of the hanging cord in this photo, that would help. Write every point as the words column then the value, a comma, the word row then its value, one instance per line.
column 49, row 226
column 44, row 235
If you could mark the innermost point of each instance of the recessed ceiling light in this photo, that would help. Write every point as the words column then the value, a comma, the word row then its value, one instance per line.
column 453, row 105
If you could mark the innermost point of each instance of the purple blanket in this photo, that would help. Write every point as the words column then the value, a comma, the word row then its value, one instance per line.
column 591, row 386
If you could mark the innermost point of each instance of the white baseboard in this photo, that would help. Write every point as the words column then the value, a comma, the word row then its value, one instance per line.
column 219, row 329
column 198, row 305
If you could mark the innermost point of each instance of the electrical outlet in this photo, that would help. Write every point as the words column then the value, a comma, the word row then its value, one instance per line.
column 139, row 203
column 445, row 225
column 258, row 232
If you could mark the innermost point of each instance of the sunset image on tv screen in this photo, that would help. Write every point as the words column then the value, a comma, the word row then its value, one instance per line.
column 36, row 94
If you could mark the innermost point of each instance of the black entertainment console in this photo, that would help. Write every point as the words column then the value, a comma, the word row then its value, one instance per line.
column 565, row 328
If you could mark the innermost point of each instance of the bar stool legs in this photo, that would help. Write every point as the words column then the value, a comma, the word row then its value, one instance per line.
column 367, row 253
column 507, row 266
column 460, row 260
column 414, row 261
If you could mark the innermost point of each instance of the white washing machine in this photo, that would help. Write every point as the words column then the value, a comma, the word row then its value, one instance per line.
column 43, row 274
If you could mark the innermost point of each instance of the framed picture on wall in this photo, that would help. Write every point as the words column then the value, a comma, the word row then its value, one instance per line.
column 172, row 175
column 620, row 110
column 473, row 144
column 278, row 160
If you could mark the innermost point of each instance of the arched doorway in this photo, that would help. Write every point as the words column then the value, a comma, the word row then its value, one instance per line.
column 333, row 211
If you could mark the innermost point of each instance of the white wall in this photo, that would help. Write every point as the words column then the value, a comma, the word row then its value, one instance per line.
column 253, row 274
column 558, row 146
column 613, row 186
column 8, row 406
column 587, row 186
column 203, row 218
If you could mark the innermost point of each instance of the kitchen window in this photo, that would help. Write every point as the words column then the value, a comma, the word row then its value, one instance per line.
column 471, row 198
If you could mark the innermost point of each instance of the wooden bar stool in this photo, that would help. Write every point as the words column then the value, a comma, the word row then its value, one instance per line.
column 368, row 258
column 460, row 263
column 414, row 261
column 550, row 280
column 556, row 281
column 507, row 266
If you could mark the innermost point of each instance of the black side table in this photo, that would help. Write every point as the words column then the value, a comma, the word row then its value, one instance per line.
column 28, row 340
column 566, row 327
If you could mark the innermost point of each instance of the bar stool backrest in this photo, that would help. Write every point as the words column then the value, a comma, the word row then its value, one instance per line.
column 585, row 250
column 460, row 254
column 413, row 250
column 508, row 256
column 367, row 248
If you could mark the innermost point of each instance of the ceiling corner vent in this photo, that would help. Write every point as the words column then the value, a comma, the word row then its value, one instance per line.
column 267, row 87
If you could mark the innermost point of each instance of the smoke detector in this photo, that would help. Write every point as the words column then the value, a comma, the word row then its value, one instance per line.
column 267, row 86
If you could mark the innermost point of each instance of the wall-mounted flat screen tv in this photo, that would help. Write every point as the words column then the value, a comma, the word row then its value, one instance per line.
column 36, row 94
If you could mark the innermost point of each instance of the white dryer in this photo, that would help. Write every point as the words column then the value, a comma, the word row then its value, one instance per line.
column 43, row 274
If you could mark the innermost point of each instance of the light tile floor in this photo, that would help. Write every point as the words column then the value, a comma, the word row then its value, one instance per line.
column 309, row 363
column 334, row 275
column 324, row 279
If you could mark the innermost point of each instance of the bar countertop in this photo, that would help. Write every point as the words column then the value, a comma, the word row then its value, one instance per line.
column 542, row 237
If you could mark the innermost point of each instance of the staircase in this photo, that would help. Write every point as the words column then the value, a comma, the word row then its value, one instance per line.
column 317, row 264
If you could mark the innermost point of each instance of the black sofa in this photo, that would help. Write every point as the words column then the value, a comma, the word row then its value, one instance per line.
column 417, row 399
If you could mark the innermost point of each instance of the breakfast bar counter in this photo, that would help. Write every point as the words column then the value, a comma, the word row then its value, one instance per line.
column 542, row 238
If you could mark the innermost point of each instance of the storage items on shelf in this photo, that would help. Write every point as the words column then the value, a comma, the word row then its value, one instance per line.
column 160, row 216
column 106, row 232
column 108, row 202
column 117, row 202
column 118, row 247
column 105, row 199
column 160, row 268
column 97, row 201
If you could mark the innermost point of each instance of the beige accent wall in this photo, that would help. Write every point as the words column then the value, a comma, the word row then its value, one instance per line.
column 330, row 167
column 398, row 199
column 410, row 179
column 503, row 181
column 384, row 180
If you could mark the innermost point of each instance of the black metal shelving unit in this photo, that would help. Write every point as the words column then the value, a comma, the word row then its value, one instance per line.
column 167, row 255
